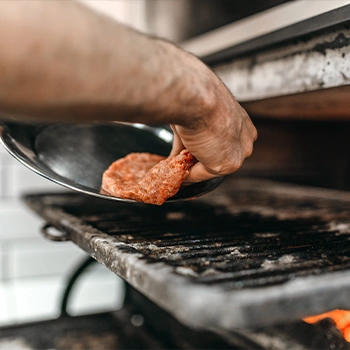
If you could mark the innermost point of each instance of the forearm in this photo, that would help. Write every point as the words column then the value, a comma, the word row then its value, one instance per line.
column 61, row 61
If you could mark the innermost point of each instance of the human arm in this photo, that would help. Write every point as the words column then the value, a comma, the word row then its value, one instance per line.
column 60, row 61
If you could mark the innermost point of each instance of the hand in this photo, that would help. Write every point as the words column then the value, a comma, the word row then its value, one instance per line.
column 142, row 80
column 222, row 142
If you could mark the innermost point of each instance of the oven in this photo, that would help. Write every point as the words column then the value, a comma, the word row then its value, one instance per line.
column 245, row 266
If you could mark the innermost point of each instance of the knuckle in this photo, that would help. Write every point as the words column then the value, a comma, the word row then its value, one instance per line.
column 249, row 150
column 252, row 130
column 227, row 168
column 236, row 165
column 255, row 133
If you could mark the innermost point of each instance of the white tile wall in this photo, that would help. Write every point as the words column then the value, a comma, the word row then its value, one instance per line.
column 17, row 221
column 4, row 159
column 3, row 151
column 2, row 173
column 38, row 257
column 28, row 300
column 33, row 271
column 17, row 179
column 35, row 299
column 22, row 180
column 7, row 315
column 2, row 267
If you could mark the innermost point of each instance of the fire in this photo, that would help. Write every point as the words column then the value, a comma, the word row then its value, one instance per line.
column 341, row 319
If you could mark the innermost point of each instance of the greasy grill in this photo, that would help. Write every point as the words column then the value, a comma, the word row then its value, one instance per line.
column 236, row 251
column 250, row 254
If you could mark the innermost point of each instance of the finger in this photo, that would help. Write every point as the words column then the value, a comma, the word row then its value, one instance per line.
column 198, row 173
column 177, row 144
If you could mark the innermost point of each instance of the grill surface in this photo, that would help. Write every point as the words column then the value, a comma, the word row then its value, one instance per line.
column 252, row 253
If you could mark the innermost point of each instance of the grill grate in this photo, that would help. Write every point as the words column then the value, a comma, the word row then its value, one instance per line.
column 238, row 250
column 234, row 250
column 248, row 236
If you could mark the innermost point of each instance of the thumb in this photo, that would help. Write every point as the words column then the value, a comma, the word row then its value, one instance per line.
column 199, row 173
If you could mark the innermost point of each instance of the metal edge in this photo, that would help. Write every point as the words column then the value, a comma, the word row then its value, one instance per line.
column 330, row 19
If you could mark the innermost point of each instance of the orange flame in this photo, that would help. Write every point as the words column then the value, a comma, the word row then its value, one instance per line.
column 341, row 319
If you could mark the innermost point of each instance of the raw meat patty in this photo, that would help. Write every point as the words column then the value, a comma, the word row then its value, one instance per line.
column 146, row 177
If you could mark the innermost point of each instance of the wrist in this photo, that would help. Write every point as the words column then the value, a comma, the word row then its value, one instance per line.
column 193, row 90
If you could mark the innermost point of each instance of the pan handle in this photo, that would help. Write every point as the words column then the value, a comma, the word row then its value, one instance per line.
column 60, row 237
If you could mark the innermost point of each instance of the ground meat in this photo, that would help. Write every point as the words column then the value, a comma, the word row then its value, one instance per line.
column 146, row 177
